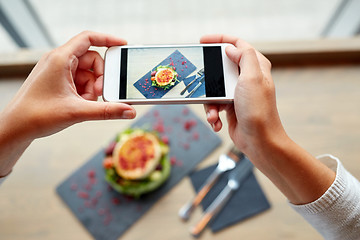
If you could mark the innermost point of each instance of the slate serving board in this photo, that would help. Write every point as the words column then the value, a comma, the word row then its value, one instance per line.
column 107, row 214
column 183, row 67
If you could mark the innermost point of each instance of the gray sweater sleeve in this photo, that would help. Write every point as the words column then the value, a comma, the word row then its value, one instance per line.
column 336, row 214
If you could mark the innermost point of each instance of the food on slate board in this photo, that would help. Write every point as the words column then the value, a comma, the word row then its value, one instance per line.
column 137, row 162
column 164, row 77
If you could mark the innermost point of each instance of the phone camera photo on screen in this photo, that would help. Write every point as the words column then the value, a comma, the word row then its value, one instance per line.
column 166, row 74
column 183, row 72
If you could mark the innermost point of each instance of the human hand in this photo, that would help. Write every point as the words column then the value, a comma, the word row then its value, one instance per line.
column 253, row 115
column 63, row 88
column 256, row 129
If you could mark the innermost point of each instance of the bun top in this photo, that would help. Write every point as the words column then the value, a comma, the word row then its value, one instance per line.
column 164, row 76
column 137, row 155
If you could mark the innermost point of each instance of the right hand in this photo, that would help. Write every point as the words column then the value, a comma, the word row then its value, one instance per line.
column 253, row 116
column 256, row 129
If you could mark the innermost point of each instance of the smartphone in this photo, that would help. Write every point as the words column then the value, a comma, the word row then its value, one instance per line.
column 169, row 74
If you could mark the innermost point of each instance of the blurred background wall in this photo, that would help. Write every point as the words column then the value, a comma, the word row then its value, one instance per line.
column 45, row 24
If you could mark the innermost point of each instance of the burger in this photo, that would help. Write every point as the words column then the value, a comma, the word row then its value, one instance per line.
column 137, row 162
column 164, row 77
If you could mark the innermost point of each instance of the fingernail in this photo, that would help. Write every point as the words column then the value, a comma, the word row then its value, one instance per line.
column 208, row 115
column 231, row 48
column 128, row 114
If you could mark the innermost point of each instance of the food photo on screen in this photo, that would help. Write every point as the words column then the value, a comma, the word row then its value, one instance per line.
column 165, row 72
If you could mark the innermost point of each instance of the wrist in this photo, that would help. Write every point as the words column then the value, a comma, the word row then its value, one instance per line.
column 16, row 124
column 268, row 149
column 297, row 174
column 14, row 139
column 264, row 140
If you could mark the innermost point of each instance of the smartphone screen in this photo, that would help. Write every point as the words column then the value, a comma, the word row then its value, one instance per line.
column 171, row 72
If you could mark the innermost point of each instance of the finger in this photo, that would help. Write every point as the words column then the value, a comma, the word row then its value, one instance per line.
column 265, row 64
column 89, row 96
column 239, row 43
column 89, row 92
column 249, row 65
column 82, row 77
column 234, row 54
column 212, row 115
column 92, row 60
column 91, row 110
column 79, row 44
column 217, row 126
column 253, row 62
column 220, row 38
column 98, row 85
column 91, row 65
column 85, row 84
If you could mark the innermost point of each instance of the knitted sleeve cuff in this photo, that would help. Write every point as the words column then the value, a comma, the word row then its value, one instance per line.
column 336, row 214
column 332, row 194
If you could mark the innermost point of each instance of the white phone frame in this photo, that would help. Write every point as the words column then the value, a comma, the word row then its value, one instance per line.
column 112, row 77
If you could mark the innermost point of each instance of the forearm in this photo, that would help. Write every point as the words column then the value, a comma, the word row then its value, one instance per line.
column 9, row 155
column 14, row 139
column 301, row 177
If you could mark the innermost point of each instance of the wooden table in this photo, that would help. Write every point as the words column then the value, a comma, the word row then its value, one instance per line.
column 319, row 107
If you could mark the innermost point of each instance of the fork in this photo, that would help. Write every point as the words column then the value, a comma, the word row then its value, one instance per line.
column 200, row 73
column 226, row 162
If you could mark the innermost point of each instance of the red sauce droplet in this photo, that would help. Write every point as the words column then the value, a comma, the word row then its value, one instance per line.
column 189, row 124
column 195, row 136
column 116, row 201
column 98, row 194
column 159, row 126
column 82, row 194
column 185, row 111
column 173, row 160
column 186, row 146
column 101, row 211
column 91, row 174
column 165, row 139
column 74, row 186
column 108, row 219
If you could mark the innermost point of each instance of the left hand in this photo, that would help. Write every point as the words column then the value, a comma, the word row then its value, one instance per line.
column 63, row 89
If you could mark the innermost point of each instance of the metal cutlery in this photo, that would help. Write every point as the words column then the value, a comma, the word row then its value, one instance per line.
column 242, row 170
column 200, row 73
column 226, row 162
column 202, row 79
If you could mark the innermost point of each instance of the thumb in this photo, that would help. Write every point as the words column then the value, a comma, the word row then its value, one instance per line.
column 91, row 110
column 234, row 54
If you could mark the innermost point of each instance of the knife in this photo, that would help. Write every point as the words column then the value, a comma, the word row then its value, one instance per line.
column 196, row 87
column 200, row 73
column 236, row 177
